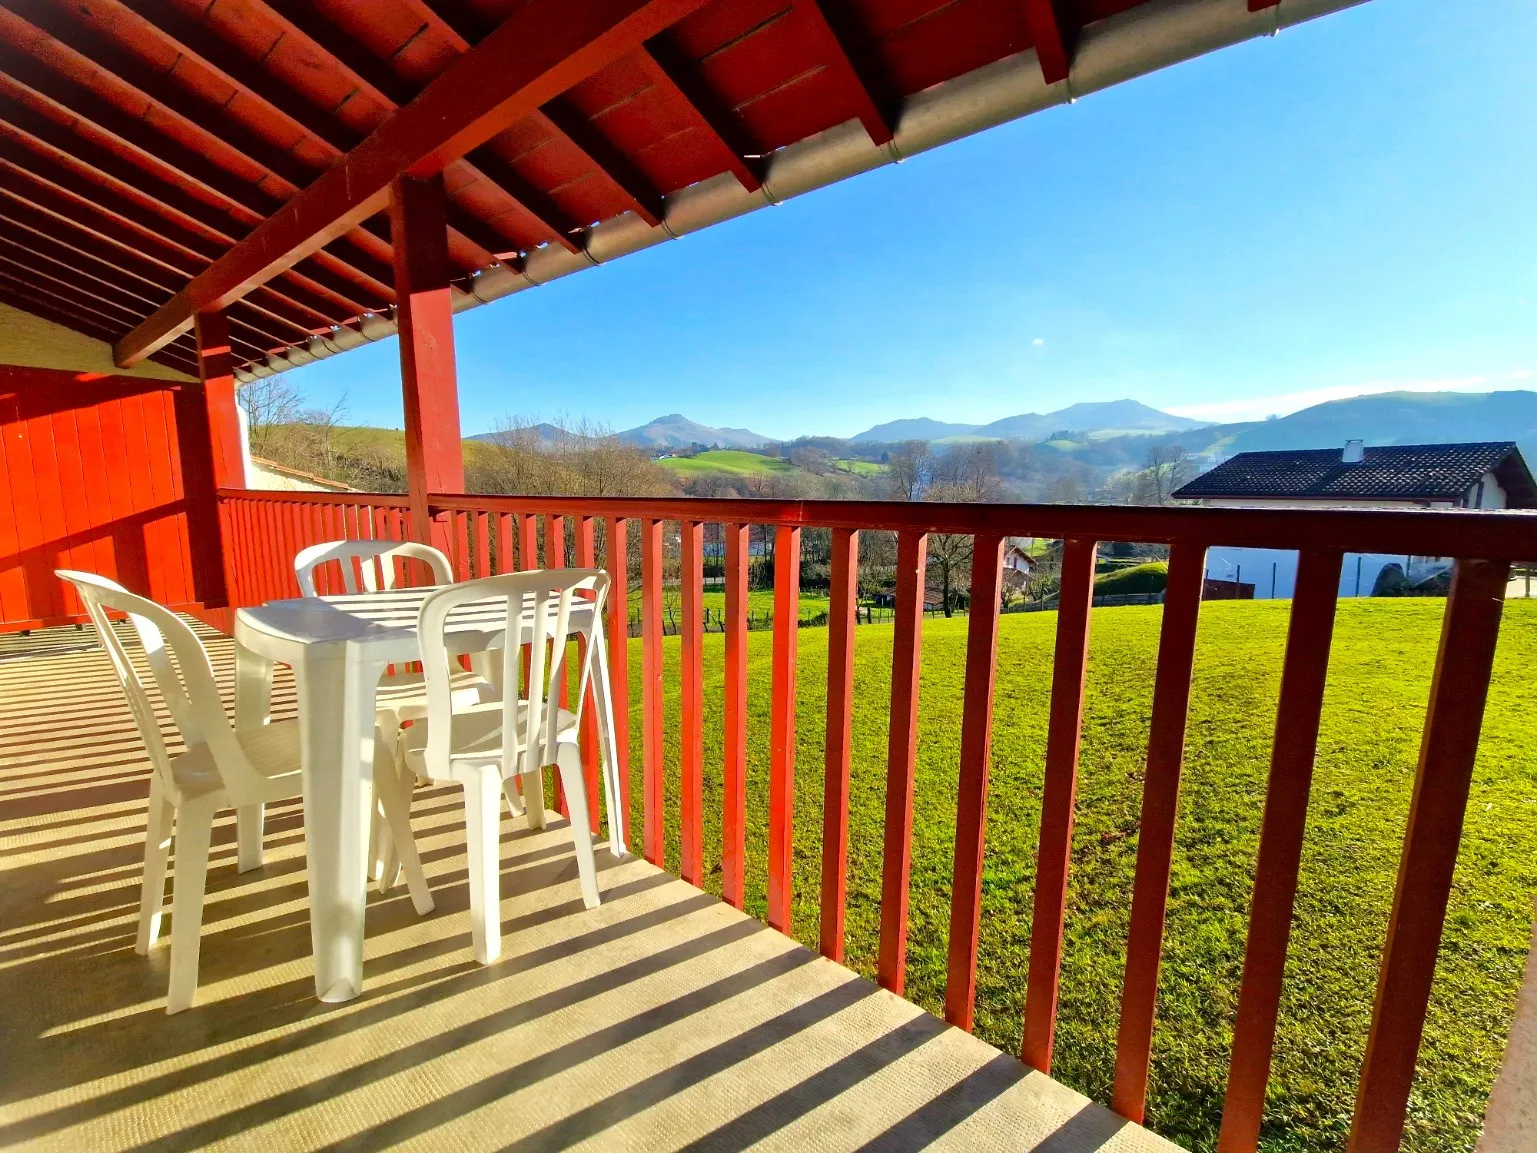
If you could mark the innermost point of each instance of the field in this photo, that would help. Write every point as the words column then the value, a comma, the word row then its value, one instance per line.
column 861, row 467
column 728, row 460
column 760, row 603
column 1369, row 742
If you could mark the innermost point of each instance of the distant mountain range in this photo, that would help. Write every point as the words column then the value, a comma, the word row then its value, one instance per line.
column 677, row 431
column 1097, row 419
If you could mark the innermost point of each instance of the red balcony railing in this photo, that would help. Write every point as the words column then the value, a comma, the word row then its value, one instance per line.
column 493, row 534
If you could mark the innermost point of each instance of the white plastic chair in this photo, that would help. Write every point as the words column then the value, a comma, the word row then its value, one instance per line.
column 220, row 768
column 488, row 747
column 376, row 563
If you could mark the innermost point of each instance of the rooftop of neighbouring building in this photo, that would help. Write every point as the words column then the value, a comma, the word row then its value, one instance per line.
column 1401, row 472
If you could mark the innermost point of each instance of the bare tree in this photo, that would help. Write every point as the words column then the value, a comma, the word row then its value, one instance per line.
column 907, row 472
column 1168, row 467
column 271, row 403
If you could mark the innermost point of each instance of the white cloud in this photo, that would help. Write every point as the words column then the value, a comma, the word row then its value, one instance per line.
column 1258, row 408
column 1039, row 342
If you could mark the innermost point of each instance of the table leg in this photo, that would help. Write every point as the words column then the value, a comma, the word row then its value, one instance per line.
column 253, row 707
column 607, row 743
column 335, row 717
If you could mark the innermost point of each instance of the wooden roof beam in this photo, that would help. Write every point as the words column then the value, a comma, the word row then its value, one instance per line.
column 544, row 48
column 672, row 72
column 101, row 195
column 386, row 86
column 832, row 29
column 178, row 162
column 1052, row 49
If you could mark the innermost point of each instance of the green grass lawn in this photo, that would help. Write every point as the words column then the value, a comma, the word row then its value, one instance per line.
column 1379, row 683
column 730, row 460
column 861, row 467
column 760, row 602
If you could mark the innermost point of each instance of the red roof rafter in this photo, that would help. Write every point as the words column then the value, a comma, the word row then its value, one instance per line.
column 670, row 70
column 540, row 51
column 830, row 27
column 1051, row 48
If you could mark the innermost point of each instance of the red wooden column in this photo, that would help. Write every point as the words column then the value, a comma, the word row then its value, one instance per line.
column 424, row 312
column 781, row 860
column 841, row 617
column 212, row 455
column 733, row 847
column 691, row 720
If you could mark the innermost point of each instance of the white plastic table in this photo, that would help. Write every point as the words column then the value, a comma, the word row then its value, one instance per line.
column 339, row 647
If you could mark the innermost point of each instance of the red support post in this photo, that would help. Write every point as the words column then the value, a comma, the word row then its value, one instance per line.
column 841, row 617
column 691, row 738
column 1304, row 676
column 781, row 861
column 971, row 798
column 1459, row 690
column 734, row 756
column 1155, row 842
column 618, row 559
column 424, row 312
column 901, row 759
column 1058, row 798
column 653, row 797
column 212, row 449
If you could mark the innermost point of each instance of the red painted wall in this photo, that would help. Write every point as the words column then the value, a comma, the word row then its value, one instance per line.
column 90, row 478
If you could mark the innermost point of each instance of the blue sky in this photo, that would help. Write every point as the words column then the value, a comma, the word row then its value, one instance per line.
column 1346, row 207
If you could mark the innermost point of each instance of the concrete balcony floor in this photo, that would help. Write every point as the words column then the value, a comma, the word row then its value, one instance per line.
column 662, row 1019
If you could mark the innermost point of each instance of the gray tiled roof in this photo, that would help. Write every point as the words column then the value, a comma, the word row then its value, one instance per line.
column 1393, row 472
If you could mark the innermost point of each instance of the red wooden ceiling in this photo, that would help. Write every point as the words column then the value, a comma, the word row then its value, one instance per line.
column 140, row 139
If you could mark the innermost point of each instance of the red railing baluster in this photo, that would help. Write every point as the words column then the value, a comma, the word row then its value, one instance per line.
column 843, row 604
column 971, row 792
column 482, row 545
column 691, row 734
column 1304, row 676
column 460, row 524
column 652, row 796
column 1459, row 689
column 734, row 753
column 504, row 558
column 781, row 830
column 585, row 548
column 1058, row 796
column 618, row 557
column 1155, row 842
column 901, row 759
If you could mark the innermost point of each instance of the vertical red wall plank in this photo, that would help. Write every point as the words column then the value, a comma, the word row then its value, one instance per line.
column 13, row 588
column 901, row 759
column 1459, row 690
column 424, row 312
column 78, row 553
column 781, row 830
column 734, row 753
column 652, row 794
column 1304, row 677
column 48, row 592
column 585, row 547
column 1058, row 798
column 618, row 559
column 1155, row 843
column 842, row 607
column 971, row 797
column 691, row 705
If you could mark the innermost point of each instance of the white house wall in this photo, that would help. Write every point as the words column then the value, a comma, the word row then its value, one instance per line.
column 1273, row 572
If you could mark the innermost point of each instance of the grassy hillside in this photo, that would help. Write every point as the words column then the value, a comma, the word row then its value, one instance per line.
column 1369, row 743
column 728, row 460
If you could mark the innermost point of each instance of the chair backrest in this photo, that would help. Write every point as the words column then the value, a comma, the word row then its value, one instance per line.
column 375, row 562
column 179, row 664
column 539, row 607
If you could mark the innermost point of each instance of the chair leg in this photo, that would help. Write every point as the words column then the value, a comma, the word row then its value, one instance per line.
column 395, row 796
column 249, row 821
column 194, row 829
column 157, row 847
column 514, row 798
column 533, row 798
column 483, row 826
column 568, row 759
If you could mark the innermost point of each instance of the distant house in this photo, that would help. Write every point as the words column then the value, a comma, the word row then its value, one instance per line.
column 1017, row 560
column 1482, row 475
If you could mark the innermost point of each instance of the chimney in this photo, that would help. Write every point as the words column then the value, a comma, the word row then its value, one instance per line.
column 1354, row 452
